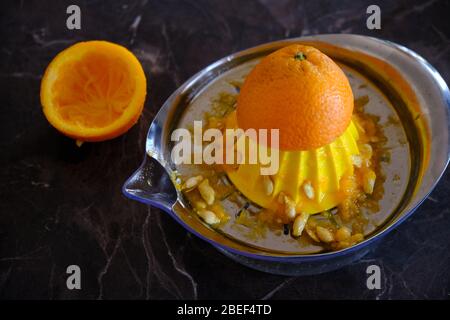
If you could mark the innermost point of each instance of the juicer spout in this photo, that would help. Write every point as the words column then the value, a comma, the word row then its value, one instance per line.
column 151, row 184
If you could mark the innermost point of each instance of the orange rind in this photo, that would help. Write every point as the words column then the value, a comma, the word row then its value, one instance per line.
column 93, row 91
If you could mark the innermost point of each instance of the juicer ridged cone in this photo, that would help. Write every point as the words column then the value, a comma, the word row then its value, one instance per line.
column 321, row 169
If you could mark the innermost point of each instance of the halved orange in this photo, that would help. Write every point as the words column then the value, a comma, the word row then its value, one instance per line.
column 93, row 91
column 300, row 91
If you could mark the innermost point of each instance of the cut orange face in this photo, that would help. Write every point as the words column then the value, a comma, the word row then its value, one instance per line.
column 93, row 91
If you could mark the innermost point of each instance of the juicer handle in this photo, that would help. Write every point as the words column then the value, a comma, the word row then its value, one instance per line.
column 151, row 184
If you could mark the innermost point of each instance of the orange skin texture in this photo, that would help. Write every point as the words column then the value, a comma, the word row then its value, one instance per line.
column 310, row 100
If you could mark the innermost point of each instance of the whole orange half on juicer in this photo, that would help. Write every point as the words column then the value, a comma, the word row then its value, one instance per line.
column 93, row 91
column 305, row 94
column 300, row 91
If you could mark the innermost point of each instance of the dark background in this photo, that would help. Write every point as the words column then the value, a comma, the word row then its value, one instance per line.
column 62, row 205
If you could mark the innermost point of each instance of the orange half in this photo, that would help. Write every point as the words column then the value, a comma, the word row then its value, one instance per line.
column 300, row 91
column 93, row 91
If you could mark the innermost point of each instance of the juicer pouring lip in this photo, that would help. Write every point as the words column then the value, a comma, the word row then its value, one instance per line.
column 151, row 184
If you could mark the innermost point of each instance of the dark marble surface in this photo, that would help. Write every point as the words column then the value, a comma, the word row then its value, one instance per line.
column 61, row 205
